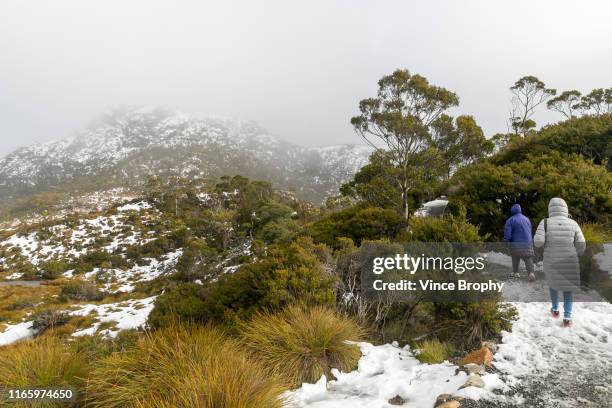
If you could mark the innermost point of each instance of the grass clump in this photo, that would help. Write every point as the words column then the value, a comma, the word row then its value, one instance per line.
column 182, row 367
column 596, row 233
column 44, row 362
column 81, row 290
column 433, row 351
column 301, row 344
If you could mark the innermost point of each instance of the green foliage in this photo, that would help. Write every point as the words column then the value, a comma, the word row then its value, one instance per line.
column 567, row 103
column 488, row 191
column 449, row 228
column 192, row 262
column 589, row 136
column 467, row 324
column 357, row 223
column 184, row 302
column 461, row 141
column 301, row 344
column 433, row 351
column 527, row 94
column 401, row 117
column 596, row 233
column 81, row 290
column 48, row 319
column 43, row 362
column 287, row 274
column 182, row 367
column 53, row 269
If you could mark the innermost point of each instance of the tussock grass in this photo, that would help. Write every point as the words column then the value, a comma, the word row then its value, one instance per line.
column 44, row 362
column 300, row 344
column 596, row 233
column 433, row 351
column 182, row 367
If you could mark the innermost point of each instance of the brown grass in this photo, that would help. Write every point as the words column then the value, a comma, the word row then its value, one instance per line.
column 301, row 344
column 182, row 367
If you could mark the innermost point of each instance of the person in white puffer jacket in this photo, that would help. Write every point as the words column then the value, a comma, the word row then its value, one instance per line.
column 563, row 243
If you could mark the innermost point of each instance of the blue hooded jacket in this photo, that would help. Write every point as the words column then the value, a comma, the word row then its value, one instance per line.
column 518, row 228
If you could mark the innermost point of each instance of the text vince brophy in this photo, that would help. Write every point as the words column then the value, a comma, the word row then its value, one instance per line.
column 430, row 285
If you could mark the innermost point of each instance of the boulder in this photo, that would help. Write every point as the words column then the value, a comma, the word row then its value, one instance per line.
column 482, row 356
column 473, row 381
column 397, row 400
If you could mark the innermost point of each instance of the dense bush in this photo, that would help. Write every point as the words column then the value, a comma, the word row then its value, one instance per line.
column 286, row 275
column 291, row 274
column 81, row 290
column 589, row 136
column 450, row 228
column 301, row 344
column 182, row 368
column 488, row 191
column 48, row 319
column 183, row 302
column 53, row 269
column 357, row 223
column 467, row 324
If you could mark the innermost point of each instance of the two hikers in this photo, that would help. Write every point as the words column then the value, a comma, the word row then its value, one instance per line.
column 517, row 232
column 562, row 241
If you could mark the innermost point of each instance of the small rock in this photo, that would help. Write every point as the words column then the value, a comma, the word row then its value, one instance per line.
column 472, row 368
column 480, row 356
column 448, row 401
column 397, row 400
column 491, row 345
column 473, row 381
column 449, row 404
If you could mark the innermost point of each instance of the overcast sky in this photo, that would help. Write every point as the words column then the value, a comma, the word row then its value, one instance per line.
column 298, row 68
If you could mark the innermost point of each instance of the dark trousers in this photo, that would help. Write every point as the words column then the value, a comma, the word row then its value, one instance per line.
column 516, row 260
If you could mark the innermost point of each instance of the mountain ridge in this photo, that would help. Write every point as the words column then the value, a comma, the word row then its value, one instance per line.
column 125, row 147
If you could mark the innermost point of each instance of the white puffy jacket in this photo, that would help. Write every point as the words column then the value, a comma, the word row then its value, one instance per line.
column 563, row 242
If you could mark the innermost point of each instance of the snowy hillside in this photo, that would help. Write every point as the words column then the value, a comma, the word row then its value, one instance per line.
column 125, row 147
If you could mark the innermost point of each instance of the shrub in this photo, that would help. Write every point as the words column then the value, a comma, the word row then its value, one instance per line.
column 183, row 302
column 588, row 136
column 301, row 344
column 81, row 290
column 596, row 233
column 288, row 274
column 44, row 362
column 488, row 191
column 53, row 269
column 357, row 223
column 182, row 367
column 48, row 319
column 433, row 351
column 449, row 228
column 466, row 324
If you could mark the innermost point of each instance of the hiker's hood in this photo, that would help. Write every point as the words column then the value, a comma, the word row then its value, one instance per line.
column 516, row 209
column 557, row 207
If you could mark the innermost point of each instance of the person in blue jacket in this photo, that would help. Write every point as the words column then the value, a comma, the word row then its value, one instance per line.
column 517, row 232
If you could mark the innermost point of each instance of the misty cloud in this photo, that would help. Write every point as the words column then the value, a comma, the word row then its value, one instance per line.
column 297, row 68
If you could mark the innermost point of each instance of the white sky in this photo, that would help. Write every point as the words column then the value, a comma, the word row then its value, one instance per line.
column 298, row 68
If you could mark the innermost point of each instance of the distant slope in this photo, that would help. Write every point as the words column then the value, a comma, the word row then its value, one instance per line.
column 125, row 147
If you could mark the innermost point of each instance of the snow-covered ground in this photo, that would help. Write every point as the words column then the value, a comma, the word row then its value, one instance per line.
column 555, row 366
column 16, row 332
column 538, row 364
column 127, row 315
column 384, row 372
